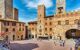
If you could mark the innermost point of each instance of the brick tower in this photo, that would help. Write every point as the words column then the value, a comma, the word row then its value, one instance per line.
column 41, row 15
column 6, row 9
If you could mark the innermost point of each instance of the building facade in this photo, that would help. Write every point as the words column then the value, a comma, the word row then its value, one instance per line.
column 10, row 26
column 12, row 29
column 32, row 29
column 56, row 26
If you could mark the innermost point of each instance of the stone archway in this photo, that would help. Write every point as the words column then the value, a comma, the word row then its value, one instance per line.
column 72, row 33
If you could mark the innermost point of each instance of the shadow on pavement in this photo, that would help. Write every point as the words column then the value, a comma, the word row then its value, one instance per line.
column 29, row 46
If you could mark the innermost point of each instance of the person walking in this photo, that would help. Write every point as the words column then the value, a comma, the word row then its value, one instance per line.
column 63, row 43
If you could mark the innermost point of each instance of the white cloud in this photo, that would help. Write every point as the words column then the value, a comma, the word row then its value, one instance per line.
column 27, row 20
column 35, row 3
column 77, row 9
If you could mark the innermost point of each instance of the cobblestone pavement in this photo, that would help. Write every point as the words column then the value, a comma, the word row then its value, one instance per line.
column 40, row 45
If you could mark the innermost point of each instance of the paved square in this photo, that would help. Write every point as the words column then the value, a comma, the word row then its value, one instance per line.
column 41, row 45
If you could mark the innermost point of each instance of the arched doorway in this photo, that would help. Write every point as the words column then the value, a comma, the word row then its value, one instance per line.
column 21, row 37
column 50, row 36
column 72, row 33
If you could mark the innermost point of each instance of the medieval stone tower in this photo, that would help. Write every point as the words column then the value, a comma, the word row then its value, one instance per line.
column 60, row 6
column 6, row 9
column 41, row 15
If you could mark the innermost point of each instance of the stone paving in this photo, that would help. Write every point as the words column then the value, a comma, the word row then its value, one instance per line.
column 41, row 45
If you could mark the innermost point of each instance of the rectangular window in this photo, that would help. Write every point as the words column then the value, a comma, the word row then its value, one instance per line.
column 19, row 29
column 45, row 23
column 13, row 24
column 40, row 30
column 46, row 34
column 50, row 29
column 7, row 23
column 6, row 30
column 4, row 23
column 59, row 22
column 18, row 36
column 20, row 24
column 32, row 28
column 50, row 23
column 76, row 21
column 67, row 22
column 45, row 29
column 13, row 29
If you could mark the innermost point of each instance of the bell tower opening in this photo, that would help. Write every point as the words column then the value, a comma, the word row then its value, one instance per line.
column 60, row 6
column 60, row 10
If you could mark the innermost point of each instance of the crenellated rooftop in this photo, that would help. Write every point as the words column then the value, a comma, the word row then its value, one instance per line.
column 69, row 14
column 32, row 22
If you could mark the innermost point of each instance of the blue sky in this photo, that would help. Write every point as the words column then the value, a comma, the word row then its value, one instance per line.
column 28, row 8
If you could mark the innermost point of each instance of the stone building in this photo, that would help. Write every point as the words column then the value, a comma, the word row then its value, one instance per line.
column 32, row 29
column 56, row 25
column 12, row 29
column 10, row 26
